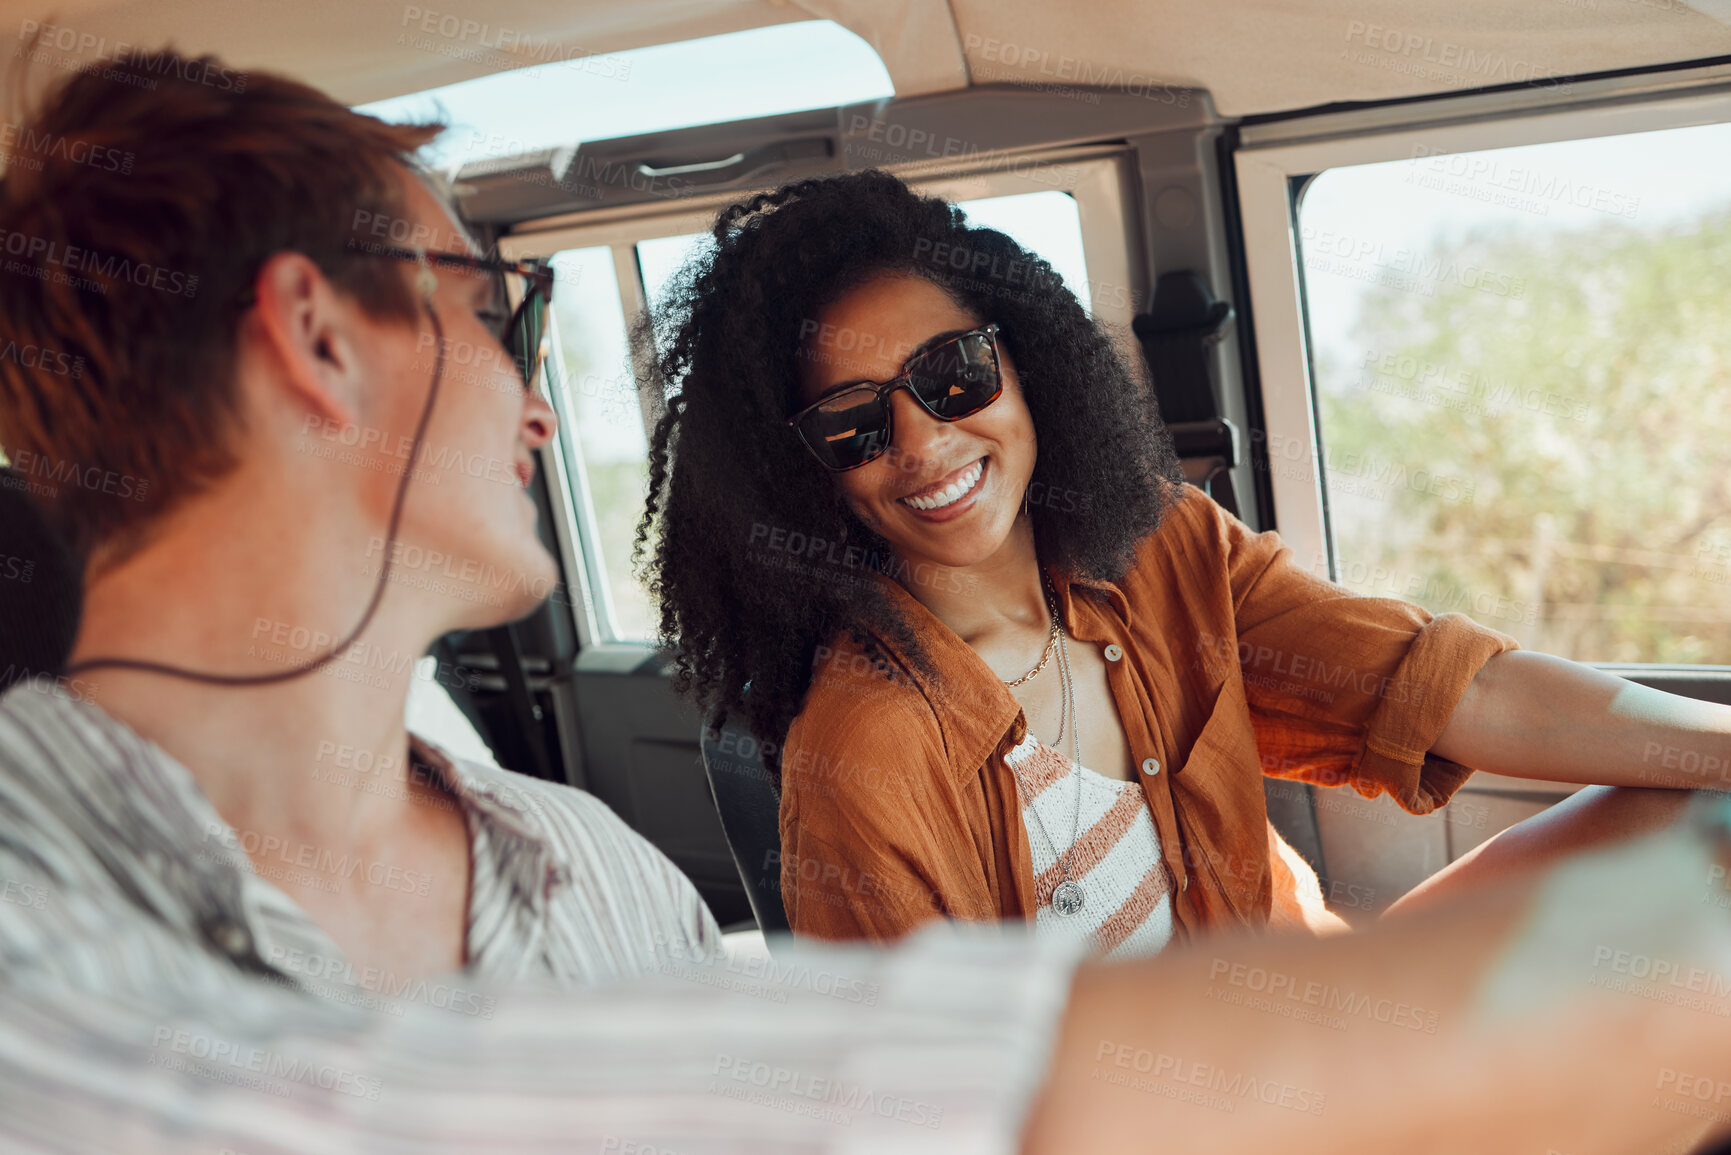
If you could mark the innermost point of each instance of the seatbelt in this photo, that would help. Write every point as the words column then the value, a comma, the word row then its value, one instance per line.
column 1178, row 332
column 503, row 640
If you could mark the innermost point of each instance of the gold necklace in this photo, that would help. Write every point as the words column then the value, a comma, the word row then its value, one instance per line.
column 1068, row 897
column 1051, row 642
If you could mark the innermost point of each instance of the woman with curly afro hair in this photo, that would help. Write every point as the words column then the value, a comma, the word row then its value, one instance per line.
column 916, row 519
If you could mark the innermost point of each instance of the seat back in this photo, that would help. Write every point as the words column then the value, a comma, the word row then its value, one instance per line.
column 41, row 587
column 750, row 810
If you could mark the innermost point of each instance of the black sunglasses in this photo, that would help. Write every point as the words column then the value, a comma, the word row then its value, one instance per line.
column 953, row 379
column 521, row 329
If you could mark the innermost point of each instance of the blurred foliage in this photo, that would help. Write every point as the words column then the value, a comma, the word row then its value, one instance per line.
column 600, row 399
column 1547, row 450
column 619, row 490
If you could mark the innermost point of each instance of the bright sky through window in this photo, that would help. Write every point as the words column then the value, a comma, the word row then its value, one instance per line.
column 1382, row 215
column 758, row 72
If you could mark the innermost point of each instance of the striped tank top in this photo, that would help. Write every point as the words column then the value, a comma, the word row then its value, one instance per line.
column 1117, row 857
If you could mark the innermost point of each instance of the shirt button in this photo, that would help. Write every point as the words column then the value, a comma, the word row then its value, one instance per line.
column 1113, row 652
column 1150, row 766
column 230, row 938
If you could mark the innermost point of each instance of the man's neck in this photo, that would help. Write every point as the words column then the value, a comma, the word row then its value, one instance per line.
column 265, row 755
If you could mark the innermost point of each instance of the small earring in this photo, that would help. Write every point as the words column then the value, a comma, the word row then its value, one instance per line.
column 1025, row 503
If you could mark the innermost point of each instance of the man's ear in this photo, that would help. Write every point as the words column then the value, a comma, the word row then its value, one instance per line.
column 307, row 328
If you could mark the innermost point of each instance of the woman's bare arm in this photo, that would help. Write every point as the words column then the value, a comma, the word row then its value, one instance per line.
column 1532, row 715
column 1510, row 1025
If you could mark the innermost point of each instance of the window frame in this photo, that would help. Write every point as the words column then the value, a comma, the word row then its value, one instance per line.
column 1102, row 181
column 1274, row 161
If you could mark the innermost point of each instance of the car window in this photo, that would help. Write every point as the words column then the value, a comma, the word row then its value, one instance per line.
column 1523, row 394
column 557, row 102
column 601, row 410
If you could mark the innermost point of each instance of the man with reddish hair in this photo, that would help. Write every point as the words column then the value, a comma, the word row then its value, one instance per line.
column 242, row 908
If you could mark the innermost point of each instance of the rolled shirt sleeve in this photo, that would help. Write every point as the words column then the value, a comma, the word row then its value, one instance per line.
column 1346, row 689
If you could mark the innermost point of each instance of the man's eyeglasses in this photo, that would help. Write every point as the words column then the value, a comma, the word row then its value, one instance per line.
column 951, row 380
column 521, row 328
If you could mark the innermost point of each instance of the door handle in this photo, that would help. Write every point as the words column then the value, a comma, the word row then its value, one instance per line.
column 683, row 169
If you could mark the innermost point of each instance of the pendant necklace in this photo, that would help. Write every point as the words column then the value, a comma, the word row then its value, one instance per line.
column 1068, row 896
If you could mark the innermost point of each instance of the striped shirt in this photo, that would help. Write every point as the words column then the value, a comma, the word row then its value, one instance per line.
column 159, row 992
column 1106, row 839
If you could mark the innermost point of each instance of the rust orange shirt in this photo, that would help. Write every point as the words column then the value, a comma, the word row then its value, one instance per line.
column 1226, row 660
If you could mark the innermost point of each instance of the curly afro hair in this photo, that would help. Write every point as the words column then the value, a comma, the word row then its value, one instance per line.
column 727, row 476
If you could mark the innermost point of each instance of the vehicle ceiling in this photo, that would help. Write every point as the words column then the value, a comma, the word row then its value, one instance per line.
column 1254, row 56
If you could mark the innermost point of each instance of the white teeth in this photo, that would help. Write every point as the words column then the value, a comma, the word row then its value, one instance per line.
column 951, row 493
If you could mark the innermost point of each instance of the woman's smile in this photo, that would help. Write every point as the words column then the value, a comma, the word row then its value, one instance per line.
column 951, row 495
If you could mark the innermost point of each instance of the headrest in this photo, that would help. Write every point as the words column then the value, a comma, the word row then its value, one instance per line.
column 41, row 587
